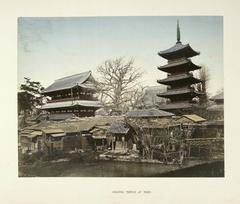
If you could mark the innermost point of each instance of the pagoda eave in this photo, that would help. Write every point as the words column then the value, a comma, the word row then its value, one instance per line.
column 177, row 51
column 179, row 80
column 172, row 94
column 179, row 66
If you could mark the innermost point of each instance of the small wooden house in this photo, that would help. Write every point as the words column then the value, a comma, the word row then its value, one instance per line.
column 99, row 135
column 121, row 136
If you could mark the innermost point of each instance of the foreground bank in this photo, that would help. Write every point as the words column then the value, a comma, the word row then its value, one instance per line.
column 195, row 168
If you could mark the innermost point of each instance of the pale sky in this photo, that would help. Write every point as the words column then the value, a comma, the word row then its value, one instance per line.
column 51, row 48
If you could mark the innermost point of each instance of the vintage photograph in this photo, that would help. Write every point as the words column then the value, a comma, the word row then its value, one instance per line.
column 139, row 96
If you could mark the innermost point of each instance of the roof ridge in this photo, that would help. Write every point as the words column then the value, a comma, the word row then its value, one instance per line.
column 73, row 75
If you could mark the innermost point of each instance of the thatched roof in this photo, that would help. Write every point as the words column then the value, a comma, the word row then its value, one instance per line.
column 119, row 127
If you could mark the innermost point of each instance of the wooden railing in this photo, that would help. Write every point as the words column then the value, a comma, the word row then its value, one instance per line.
column 72, row 99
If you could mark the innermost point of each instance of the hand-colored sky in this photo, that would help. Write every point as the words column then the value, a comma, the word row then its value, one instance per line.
column 51, row 48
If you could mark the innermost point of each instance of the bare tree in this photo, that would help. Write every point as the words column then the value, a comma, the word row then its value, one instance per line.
column 118, row 78
column 136, row 98
column 203, row 75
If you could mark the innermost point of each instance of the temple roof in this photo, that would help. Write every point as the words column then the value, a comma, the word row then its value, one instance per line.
column 180, row 77
column 177, row 51
column 148, row 113
column 63, row 104
column 182, row 64
column 70, row 82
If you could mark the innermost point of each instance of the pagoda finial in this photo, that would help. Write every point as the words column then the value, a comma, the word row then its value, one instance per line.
column 178, row 32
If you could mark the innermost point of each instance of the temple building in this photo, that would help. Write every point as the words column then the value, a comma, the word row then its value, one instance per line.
column 180, row 80
column 72, row 94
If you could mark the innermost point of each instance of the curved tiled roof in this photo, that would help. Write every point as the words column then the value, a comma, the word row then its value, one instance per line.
column 178, row 64
column 144, row 113
column 173, row 92
column 175, row 48
column 178, row 48
column 179, row 77
column 68, row 82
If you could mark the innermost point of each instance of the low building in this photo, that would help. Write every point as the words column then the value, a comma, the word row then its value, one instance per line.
column 68, row 135
column 216, row 110
column 99, row 135
column 121, row 136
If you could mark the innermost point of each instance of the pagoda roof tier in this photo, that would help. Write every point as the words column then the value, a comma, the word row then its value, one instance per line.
column 180, row 65
column 66, row 104
column 177, row 51
column 77, row 80
column 181, row 91
column 179, row 78
column 176, row 105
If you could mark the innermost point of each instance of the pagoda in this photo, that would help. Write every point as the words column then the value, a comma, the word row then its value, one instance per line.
column 180, row 80
column 72, row 94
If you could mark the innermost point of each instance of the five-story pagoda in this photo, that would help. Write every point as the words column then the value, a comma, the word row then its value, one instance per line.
column 180, row 80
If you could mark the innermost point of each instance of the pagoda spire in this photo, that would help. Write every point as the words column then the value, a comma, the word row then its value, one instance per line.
column 178, row 32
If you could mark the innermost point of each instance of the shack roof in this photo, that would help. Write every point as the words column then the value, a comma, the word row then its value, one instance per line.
column 52, row 130
column 216, row 123
column 217, row 97
column 62, row 134
column 152, row 123
column 177, row 105
column 73, row 125
column 69, row 82
column 119, row 127
column 216, row 107
column 36, row 133
column 52, row 116
column 62, row 116
column 194, row 118
column 148, row 113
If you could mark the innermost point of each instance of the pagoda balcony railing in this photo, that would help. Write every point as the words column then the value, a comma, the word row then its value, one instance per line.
column 182, row 74
column 179, row 101
column 177, row 60
column 73, row 99
column 180, row 88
